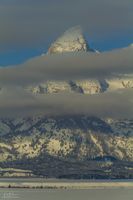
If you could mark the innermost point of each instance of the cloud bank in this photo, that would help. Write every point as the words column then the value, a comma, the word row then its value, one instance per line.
column 16, row 102
column 69, row 66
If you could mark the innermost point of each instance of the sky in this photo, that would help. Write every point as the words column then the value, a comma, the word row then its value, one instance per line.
column 28, row 27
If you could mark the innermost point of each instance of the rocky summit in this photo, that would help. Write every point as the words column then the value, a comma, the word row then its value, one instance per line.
column 68, row 146
column 71, row 41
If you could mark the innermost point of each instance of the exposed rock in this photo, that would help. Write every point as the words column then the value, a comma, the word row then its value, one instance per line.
column 120, row 83
column 71, row 40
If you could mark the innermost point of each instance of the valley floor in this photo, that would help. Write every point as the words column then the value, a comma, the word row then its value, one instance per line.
column 38, row 183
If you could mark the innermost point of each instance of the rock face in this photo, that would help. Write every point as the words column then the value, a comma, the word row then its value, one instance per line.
column 83, row 87
column 120, row 83
column 71, row 40
column 71, row 146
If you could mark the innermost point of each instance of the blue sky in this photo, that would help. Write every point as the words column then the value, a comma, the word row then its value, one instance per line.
column 18, row 56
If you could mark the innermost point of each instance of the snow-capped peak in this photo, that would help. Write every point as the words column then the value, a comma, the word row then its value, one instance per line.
column 72, row 40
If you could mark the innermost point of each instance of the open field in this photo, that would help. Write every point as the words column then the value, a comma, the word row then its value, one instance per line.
column 64, row 184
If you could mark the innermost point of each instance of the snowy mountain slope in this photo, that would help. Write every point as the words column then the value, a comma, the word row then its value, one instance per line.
column 71, row 145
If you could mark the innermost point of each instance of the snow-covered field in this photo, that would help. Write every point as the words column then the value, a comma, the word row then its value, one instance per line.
column 64, row 184
column 95, row 194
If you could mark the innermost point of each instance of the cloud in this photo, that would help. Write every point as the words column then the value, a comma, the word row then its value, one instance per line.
column 30, row 23
column 69, row 66
column 16, row 102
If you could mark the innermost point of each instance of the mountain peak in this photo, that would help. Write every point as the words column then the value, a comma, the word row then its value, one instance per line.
column 72, row 40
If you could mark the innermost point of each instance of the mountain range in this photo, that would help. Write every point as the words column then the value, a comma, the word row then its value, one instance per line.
column 76, row 146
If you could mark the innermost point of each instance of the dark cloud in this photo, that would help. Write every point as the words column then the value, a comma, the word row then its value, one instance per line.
column 30, row 23
column 69, row 66
column 16, row 102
